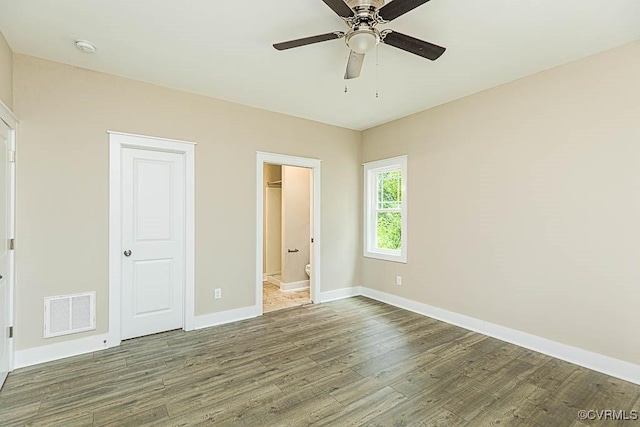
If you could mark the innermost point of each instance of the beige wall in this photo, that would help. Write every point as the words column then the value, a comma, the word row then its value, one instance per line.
column 296, row 224
column 63, row 174
column 524, row 204
column 6, row 72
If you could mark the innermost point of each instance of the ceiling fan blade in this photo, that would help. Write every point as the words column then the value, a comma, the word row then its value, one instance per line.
column 413, row 45
column 339, row 7
column 396, row 8
column 309, row 40
column 354, row 66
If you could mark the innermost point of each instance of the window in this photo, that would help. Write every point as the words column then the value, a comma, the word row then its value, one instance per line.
column 385, row 207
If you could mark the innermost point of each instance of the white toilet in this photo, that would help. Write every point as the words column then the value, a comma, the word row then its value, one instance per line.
column 307, row 270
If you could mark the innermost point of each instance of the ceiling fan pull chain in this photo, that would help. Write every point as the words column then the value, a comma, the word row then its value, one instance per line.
column 377, row 93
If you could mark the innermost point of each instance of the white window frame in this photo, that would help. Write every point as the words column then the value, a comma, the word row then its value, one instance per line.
column 371, row 170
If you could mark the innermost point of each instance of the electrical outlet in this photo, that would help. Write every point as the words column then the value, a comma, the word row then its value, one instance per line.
column 217, row 293
column 399, row 280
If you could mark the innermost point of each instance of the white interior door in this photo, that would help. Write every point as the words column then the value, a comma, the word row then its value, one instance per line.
column 153, row 238
column 5, row 182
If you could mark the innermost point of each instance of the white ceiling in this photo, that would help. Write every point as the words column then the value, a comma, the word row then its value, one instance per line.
column 223, row 48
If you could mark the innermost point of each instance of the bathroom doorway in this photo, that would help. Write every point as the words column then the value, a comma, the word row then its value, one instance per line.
column 286, row 241
column 288, row 247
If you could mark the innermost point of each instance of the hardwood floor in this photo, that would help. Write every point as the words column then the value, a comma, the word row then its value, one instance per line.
column 349, row 362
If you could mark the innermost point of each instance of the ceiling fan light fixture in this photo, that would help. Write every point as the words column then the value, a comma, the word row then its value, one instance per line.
column 362, row 41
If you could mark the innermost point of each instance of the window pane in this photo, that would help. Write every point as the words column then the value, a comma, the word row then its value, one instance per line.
column 389, row 230
column 389, row 190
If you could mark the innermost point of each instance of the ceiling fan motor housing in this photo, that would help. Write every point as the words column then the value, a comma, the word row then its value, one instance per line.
column 356, row 4
column 363, row 36
column 365, row 10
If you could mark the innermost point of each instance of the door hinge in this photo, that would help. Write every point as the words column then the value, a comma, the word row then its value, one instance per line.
column 12, row 156
column 312, row 240
column 12, row 244
column 10, row 331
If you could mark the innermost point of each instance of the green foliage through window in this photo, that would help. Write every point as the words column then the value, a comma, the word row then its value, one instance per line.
column 389, row 204
column 389, row 230
column 390, row 190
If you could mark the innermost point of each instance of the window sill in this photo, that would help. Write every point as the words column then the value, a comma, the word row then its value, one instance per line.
column 386, row 257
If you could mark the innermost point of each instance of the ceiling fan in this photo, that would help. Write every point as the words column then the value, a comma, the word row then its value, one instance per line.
column 362, row 16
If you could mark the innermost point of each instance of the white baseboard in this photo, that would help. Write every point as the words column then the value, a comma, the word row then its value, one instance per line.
column 340, row 294
column 594, row 361
column 294, row 286
column 229, row 316
column 59, row 350
column 273, row 280
column 64, row 349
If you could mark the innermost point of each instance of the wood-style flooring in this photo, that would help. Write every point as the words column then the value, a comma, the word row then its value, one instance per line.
column 349, row 362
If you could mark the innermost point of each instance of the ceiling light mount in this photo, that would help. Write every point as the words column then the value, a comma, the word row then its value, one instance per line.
column 365, row 4
column 85, row 46
column 365, row 12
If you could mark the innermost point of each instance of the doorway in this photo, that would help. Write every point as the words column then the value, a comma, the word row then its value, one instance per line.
column 288, row 236
column 151, row 286
column 7, row 220
column 287, row 232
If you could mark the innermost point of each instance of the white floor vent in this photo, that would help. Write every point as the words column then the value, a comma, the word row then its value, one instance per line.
column 69, row 314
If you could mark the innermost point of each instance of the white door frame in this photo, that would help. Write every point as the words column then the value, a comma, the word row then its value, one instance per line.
column 304, row 162
column 7, row 116
column 118, row 141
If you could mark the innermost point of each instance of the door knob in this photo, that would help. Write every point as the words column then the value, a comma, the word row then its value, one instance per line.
column 127, row 253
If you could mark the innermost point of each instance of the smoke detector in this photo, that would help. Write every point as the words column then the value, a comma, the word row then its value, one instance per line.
column 85, row 46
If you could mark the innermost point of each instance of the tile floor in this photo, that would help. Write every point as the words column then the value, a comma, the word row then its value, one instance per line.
column 274, row 299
